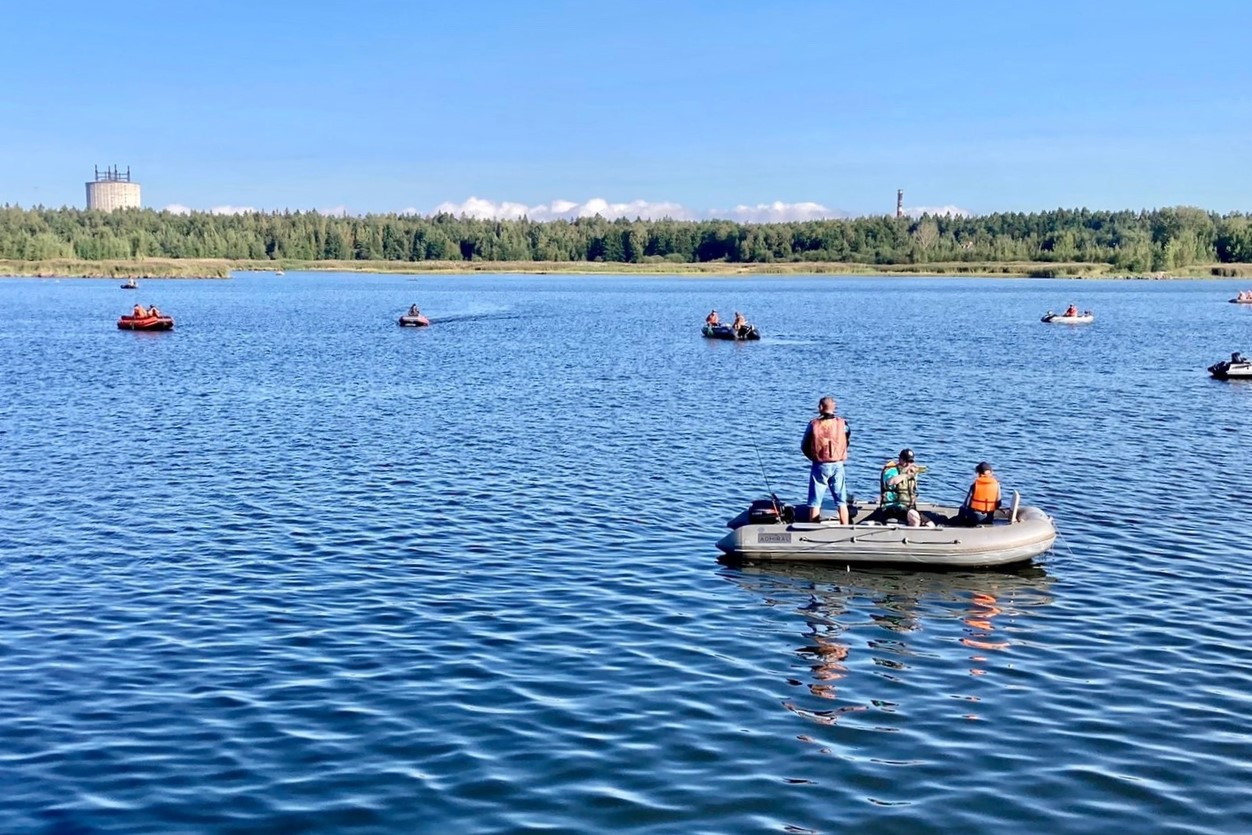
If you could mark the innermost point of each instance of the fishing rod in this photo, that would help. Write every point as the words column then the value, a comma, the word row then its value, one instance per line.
column 761, row 462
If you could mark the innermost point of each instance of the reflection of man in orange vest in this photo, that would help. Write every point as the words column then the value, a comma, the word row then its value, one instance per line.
column 826, row 445
column 983, row 498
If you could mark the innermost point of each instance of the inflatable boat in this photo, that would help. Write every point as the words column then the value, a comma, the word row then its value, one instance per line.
column 418, row 321
column 747, row 332
column 1238, row 300
column 1235, row 368
column 145, row 323
column 1084, row 318
column 768, row 531
column 130, row 285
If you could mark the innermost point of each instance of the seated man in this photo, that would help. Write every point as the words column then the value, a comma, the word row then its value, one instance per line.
column 740, row 323
column 414, row 311
column 711, row 320
column 897, row 497
column 153, row 311
column 983, row 499
column 1072, row 310
column 1237, row 358
column 140, row 312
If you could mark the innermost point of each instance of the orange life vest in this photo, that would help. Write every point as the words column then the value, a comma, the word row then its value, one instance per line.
column 829, row 437
column 984, row 496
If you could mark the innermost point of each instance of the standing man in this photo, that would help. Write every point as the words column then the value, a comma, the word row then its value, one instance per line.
column 826, row 445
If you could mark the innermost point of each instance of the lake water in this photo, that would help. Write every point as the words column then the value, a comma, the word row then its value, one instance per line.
column 291, row 568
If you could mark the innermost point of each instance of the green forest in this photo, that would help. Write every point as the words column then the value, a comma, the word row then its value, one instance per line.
column 1143, row 241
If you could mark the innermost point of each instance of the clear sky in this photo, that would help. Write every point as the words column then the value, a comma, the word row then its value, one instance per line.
column 703, row 105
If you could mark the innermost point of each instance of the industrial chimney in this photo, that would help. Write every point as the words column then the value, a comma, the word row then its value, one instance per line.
column 899, row 202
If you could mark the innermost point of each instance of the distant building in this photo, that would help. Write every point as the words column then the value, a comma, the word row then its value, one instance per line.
column 112, row 190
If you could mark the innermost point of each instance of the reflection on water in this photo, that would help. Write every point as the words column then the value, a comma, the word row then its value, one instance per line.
column 866, row 631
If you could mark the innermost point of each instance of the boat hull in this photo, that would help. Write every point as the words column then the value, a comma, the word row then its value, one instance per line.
column 941, row 546
column 407, row 321
column 1067, row 320
column 146, row 323
column 745, row 334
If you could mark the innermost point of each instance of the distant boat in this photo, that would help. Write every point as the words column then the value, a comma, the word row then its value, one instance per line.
column 278, row 272
column 145, row 323
column 1084, row 318
column 1235, row 368
column 747, row 332
column 131, row 284
column 415, row 320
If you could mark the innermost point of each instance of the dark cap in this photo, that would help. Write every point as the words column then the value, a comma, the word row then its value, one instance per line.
column 983, row 467
column 906, row 455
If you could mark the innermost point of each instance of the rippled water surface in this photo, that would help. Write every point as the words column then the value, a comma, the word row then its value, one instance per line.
column 292, row 568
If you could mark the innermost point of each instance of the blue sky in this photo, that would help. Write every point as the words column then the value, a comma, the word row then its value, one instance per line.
column 703, row 105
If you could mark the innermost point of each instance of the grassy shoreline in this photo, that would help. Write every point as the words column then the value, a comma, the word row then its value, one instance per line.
column 222, row 268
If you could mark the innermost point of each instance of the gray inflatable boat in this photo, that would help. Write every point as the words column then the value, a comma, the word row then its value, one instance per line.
column 763, row 533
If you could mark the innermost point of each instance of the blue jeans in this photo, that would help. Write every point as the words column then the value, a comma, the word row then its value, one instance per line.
column 823, row 477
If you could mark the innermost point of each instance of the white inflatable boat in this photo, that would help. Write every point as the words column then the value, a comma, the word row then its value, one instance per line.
column 1235, row 368
column 763, row 533
column 1084, row 318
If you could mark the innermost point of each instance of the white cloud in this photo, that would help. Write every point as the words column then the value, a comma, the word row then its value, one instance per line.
column 776, row 212
column 934, row 211
column 779, row 212
column 483, row 209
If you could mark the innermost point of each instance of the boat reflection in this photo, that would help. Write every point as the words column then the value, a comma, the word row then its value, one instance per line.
column 870, row 635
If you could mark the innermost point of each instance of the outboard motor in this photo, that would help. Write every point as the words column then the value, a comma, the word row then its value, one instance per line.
column 764, row 512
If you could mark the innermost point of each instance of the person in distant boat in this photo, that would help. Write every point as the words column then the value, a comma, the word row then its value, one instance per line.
column 740, row 323
column 711, row 320
column 897, row 490
column 1072, row 310
column 153, row 311
column 140, row 312
column 825, row 444
column 983, row 499
column 1236, row 358
column 414, row 310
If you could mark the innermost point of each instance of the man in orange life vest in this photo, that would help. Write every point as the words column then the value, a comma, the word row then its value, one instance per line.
column 983, row 498
column 826, row 445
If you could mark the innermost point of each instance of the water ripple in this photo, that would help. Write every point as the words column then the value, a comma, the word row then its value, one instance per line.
column 279, row 570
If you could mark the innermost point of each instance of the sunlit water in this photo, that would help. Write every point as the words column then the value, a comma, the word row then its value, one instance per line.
column 292, row 568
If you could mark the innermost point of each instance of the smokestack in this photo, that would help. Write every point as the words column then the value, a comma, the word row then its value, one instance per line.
column 899, row 202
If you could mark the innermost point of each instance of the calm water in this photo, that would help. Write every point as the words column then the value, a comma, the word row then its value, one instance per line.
column 291, row 568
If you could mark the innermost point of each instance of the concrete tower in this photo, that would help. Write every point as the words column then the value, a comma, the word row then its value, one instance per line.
column 899, row 202
column 112, row 190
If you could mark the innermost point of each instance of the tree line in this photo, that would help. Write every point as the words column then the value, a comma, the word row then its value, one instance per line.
column 1140, row 241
